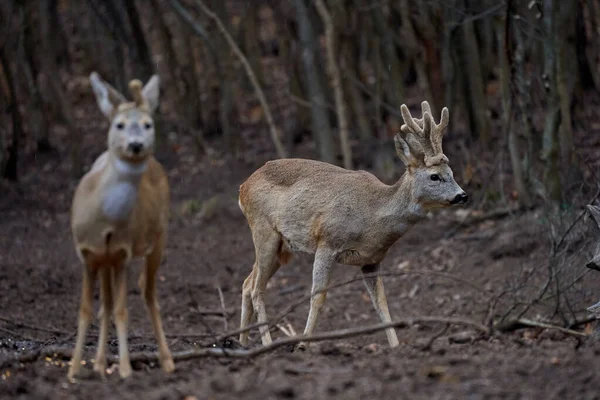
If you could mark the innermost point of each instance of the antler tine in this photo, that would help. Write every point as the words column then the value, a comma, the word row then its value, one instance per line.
column 425, row 107
column 410, row 122
column 438, row 133
column 135, row 88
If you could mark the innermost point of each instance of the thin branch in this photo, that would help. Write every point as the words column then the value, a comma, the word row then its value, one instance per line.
column 281, row 153
column 523, row 322
column 146, row 357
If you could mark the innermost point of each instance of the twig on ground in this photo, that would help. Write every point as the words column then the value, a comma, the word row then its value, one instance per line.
column 147, row 357
column 20, row 324
column 436, row 336
column 16, row 335
column 222, row 300
column 515, row 324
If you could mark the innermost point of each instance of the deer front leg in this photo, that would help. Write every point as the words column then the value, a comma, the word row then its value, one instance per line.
column 85, row 317
column 104, row 316
column 321, row 275
column 121, row 316
column 374, row 286
column 148, row 288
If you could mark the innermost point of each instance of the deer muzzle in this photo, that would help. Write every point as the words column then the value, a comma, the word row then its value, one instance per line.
column 460, row 198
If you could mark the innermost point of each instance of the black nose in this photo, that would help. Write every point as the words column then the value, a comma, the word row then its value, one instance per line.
column 135, row 147
column 592, row 265
column 461, row 198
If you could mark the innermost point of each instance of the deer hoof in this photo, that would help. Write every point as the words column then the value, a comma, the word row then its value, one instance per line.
column 302, row 346
column 168, row 365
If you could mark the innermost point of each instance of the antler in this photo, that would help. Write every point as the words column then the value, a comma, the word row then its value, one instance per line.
column 135, row 88
column 423, row 135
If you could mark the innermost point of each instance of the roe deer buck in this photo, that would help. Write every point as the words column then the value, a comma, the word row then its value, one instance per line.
column 120, row 211
column 343, row 216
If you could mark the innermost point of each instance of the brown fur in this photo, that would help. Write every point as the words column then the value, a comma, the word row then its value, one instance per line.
column 343, row 216
column 120, row 211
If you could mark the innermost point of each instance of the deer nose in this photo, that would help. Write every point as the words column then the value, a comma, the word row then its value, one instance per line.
column 592, row 265
column 460, row 198
column 135, row 147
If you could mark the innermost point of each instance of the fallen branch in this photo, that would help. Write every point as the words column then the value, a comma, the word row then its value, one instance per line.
column 148, row 357
column 20, row 324
column 515, row 324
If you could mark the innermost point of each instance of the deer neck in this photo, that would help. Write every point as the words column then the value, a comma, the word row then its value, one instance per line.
column 120, row 183
column 402, row 208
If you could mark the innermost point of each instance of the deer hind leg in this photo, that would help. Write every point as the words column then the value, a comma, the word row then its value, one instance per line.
column 104, row 316
column 247, row 306
column 85, row 317
column 267, row 244
column 321, row 275
column 374, row 286
column 148, row 288
column 121, row 316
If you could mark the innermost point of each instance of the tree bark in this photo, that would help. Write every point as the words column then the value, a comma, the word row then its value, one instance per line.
column 502, row 33
column 258, row 89
column 56, row 89
column 38, row 123
column 553, row 118
column 336, row 82
column 142, row 59
column 10, row 166
column 475, row 87
column 321, row 128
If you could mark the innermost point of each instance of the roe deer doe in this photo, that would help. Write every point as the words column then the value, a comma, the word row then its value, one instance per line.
column 343, row 216
column 120, row 211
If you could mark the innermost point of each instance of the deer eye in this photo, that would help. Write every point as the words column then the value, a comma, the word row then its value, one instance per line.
column 434, row 177
column 147, row 125
column 120, row 126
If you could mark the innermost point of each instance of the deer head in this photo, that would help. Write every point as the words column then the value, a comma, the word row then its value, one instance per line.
column 419, row 146
column 131, row 134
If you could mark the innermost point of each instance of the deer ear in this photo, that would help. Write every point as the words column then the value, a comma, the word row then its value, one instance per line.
column 404, row 153
column 151, row 92
column 594, row 212
column 107, row 97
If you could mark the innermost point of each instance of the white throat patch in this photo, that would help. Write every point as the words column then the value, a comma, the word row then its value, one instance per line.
column 121, row 195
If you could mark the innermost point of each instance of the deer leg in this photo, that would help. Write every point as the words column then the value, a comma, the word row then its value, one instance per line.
column 85, row 317
column 267, row 244
column 247, row 307
column 321, row 275
column 104, row 316
column 121, row 316
column 148, row 288
column 374, row 286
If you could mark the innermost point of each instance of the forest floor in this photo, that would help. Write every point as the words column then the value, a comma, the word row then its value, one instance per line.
column 210, row 251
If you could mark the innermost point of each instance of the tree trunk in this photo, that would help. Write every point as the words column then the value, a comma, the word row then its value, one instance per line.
column 56, row 90
column 321, row 128
column 9, row 169
column 565, row 71
column 336, row 82
column 227, row 107
column 144, row 66
column 502, row 33
column 553, row 118
column 474, row 84
column 38, row 122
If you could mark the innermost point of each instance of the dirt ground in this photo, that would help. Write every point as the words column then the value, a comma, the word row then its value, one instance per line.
column 211, row 251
